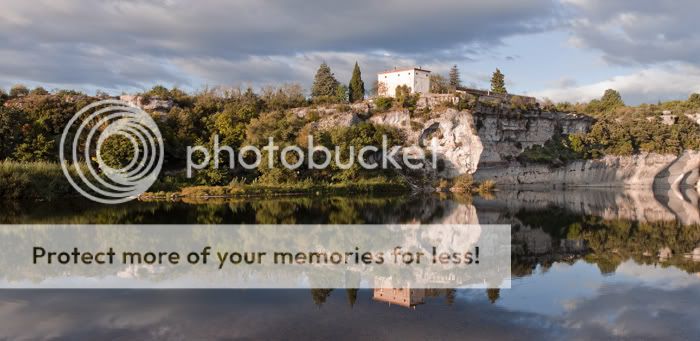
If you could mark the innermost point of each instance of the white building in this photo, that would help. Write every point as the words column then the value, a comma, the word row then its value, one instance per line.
column 418, row 80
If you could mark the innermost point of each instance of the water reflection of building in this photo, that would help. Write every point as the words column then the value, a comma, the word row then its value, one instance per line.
column 410, row 298
column 404, row 297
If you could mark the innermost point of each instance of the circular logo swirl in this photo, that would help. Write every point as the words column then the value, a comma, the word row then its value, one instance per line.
column 88, row 130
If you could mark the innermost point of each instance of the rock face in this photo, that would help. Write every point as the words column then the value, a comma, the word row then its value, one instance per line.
column 487, row 140
column 485, row 143
column 490, row 137
column 637, row 171
column 148, row 104
column 341, row 119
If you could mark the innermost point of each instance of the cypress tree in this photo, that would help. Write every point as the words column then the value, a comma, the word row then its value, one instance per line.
column 454, row 77
column 357, row 86
column 325, row 84
column 352, row 296
column 498, row 83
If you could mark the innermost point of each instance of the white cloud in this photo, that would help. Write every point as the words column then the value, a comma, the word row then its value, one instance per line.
column 642, row 31
column 300, row 68
column 143, row 42
column 649, row 85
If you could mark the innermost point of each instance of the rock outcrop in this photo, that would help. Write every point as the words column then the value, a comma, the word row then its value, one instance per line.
column 639, row 171
column 148, row 104
column 487, row 140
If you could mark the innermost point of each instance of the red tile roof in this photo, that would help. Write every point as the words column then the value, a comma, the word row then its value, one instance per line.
column 404, row 69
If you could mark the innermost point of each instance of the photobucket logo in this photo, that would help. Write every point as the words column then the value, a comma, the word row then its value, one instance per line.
column 368, row 157
column 84, row 137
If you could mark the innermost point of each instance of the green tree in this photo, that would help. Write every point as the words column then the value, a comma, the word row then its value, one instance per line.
column 341, row 93
column 611, row 100
column 498, row 83
column 357, row 86
column 117, row 151
column 39, row 91
column 325, row 85
column 11, row 122
column 405, row 98
column 158, row 91
column 38, row 149
column 455, row 82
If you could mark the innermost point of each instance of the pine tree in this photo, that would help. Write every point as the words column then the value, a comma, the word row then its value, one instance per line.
column 357, row 86
column 498, row 83
column 325, row 84
column 454, row 77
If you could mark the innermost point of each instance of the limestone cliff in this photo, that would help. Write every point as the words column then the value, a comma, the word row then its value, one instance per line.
column 486, row 141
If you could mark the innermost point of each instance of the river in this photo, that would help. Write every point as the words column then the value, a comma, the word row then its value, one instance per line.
column 587, row 264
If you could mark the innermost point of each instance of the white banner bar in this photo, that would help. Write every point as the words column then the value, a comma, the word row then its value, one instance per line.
column 255, row 256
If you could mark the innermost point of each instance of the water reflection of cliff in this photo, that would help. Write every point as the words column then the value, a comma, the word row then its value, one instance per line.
column 602, row 227
column 638, row 205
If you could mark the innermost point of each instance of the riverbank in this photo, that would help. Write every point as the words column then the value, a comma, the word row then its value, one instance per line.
column 362, row 186
column 46, row 181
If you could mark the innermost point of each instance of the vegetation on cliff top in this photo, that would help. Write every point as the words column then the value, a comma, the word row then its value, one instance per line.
column 664, row 128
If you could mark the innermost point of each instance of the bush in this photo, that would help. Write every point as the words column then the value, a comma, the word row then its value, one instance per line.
column 555, row 152
column 487, row 186
column 383, row 104
column 405, row 99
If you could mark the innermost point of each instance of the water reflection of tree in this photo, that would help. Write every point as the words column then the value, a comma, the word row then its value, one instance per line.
column 320, row 296
column 277, row 210
column 352, row 296
column 609, row 242
column 493, row 294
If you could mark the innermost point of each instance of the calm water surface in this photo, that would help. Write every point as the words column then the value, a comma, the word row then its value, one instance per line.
column 587, row 265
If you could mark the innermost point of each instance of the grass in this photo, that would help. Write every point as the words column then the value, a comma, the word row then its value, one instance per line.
column 33, row 180
column 45, row 180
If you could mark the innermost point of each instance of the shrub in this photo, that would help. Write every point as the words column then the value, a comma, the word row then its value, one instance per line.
column 462, row 184
column 383, row 104
column 486, row 187
column 405, row 99
column 556, row 151
column 416, row 126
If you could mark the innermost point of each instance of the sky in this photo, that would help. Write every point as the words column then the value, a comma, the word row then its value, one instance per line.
column 564, row 50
